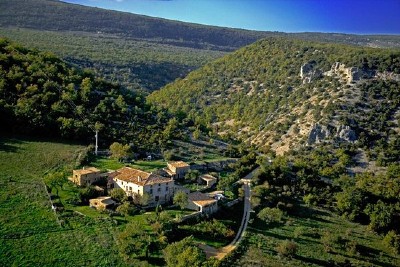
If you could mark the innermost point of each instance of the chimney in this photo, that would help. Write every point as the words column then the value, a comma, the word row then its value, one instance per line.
column 139, row 179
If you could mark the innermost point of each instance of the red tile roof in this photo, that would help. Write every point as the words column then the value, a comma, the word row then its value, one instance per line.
column 201, row 199
column 178, row 164
column 139, row 177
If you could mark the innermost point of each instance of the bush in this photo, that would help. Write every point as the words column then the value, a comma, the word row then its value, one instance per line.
column 299, row 231
column 329, row 240
column 126, row 209
column 392, row 241
column 287, row 249
column 270, row 215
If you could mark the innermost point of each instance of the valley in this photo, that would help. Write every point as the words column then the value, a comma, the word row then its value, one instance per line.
column 288, row 143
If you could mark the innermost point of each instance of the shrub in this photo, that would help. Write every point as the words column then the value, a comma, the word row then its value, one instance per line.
column 287, row 249
column 299, row 231
column 270, row 215
column 329, row 240
column 392, row 241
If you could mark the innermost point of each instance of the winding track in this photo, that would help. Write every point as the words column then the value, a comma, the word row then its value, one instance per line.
column 222, row 252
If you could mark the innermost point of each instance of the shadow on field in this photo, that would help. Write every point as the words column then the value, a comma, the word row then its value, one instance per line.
column 9, row 145
column 314, row 261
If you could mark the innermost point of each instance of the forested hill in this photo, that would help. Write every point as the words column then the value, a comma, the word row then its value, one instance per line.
column 141, row 53
column 282, row 94
column 59, row 16
column 41, row 95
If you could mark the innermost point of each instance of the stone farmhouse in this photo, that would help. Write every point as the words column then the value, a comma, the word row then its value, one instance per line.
column 101, row 203
column 207, row 179
column 201, row 202
column 177, row 169
column 86, row 176
column 133, row 181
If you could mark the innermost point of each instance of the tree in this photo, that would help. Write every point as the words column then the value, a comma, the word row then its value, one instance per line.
column 380, row 215
column 392, row 241
column 181, row 199
column 287, row 249
column 184, row 253
column 126, row 209
column 118, row 194
column 119, row 151
column 270, row 215
column 56, row 180
column 192, row 175
column 141, row 200
column 135, row 241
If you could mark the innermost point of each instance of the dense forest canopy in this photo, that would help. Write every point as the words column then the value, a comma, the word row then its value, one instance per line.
column 42, row 95
column 139, row 52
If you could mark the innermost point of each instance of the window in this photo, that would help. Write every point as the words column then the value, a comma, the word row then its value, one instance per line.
column 159, row 184
column 157, row 198
column 130, row 188
column 159, row 189
column 151, row 191
column 166, row 188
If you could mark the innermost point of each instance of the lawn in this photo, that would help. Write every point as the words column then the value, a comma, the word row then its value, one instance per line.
column 29, row 232
column 356, row 245
column 104, row 163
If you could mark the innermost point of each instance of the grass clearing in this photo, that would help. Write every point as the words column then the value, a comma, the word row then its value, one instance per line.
column 29, row 232
column 105, row 163
column 355, row 243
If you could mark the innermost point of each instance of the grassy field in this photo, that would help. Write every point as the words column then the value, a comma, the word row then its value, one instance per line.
column 29, row 232
column 105, row 163
column 354, row 244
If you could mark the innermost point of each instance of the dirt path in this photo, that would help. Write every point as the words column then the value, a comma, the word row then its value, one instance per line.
column 222, row 252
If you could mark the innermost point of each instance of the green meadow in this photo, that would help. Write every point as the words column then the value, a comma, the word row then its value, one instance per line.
column 30, row 234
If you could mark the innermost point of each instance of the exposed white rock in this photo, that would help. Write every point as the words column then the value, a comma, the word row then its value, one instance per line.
column 308, row 73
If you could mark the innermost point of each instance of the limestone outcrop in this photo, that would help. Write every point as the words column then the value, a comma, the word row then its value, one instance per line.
column 320, row 133
column 348, row 74
column 308, row 72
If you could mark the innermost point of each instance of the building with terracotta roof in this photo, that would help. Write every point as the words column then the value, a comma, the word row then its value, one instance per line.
column 101, row 203
column 86, row 176
column 133, row 181
column 202, row 203
column 208, row 179
column 177, row 169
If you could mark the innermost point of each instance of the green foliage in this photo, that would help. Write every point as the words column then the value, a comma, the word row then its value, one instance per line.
column 310, row 199
column 213, row 230
column 287, row 249
column 270, row 215
column 134, row 241
column 225, row 95
column 192, row 176
column 330, row 240
column 119, row 151
column 184, row 253
column 142, row 199
column 392, row 241
column 126, row 209
column 41, row 240
column 118, row 194
column 56, row 180
column 180, row 199
column 43, row 95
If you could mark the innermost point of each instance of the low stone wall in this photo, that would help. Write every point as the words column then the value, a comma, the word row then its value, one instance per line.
column 189, row 216
column 212, row 166
column 233, row 202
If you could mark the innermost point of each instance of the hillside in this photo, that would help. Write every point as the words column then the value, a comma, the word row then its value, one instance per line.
column 42, row 95
column 281, row 94
column 139, row 52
